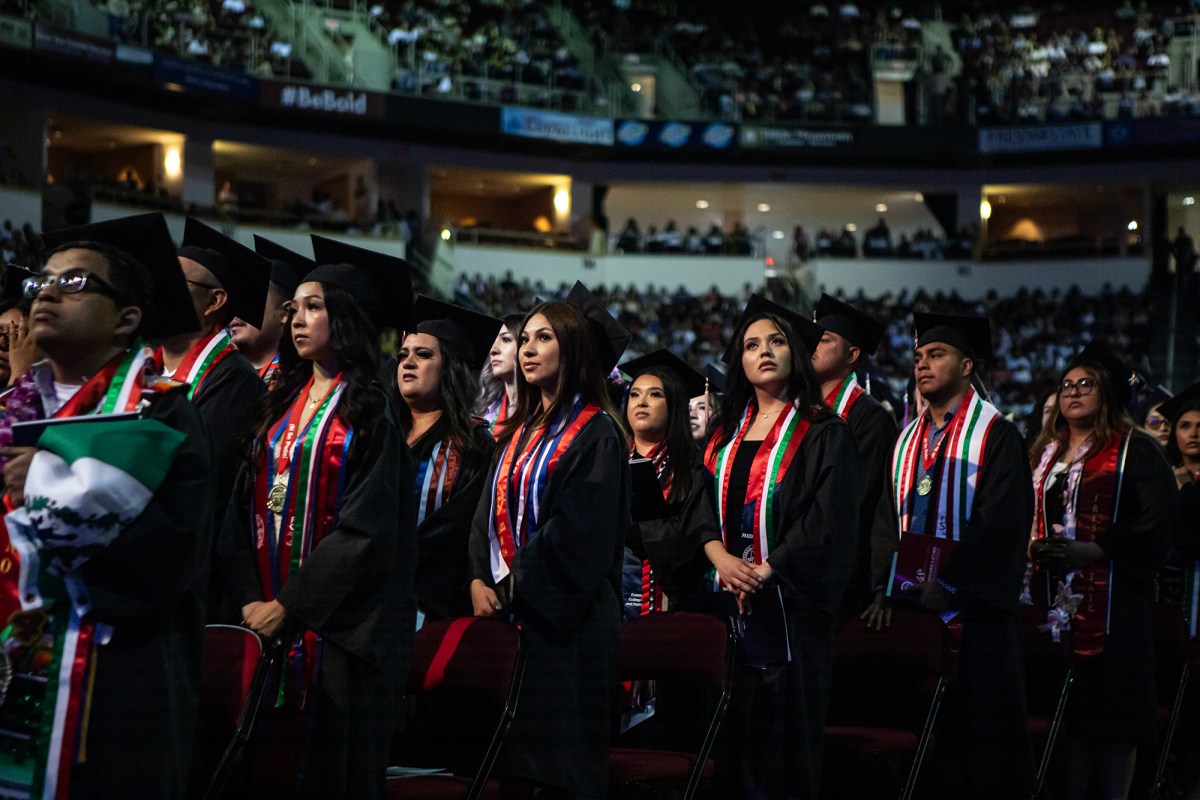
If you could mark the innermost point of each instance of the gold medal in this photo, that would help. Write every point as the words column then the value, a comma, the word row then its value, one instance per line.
column 277, row 495
column 925, row 486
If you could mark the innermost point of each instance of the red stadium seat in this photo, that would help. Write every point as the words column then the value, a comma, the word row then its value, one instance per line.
column 234, row 675
column 461, row 698
column 887, row 691
column 685, row 654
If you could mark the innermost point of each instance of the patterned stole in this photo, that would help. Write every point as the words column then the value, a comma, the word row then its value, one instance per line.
column 436, row 475
column 496, row 413
column 961, row 454
column 52, row 647
column 843, row 398
column 200, row 360
column 521, row 478
column 770, row 464
column 269, row 371
column 652, row 593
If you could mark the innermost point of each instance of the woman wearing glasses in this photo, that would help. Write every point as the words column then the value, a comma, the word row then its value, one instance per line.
column 1105, row 508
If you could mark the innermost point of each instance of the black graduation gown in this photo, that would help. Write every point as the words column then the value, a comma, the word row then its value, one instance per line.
column 874, row 431
column 148, row 585
column 443, row 588
column 566, row 580
column 675, row 544
column 355, row 590
column 1113, row 699
column 983, row 738
column 778, row 713
column 227, row 401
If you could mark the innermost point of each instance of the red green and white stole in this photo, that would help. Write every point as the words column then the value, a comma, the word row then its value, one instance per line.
column 200, row 360
column 81, row 492
column 521, row 478
column 436, row 475
column 775, row 454
column 1091, row 504
column 962, row 447
column 496, row 413
column 652, row 593
column 843, row 398
column 313, row 461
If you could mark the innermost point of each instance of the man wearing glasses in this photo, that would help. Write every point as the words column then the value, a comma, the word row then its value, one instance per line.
column 111, row 516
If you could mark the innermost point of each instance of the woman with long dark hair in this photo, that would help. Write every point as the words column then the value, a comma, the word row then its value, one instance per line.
column 325, row 537
column 434, row 379
column 546, row 543
column 664, row 553
column 1183, row 444
column 1104, row 513
column 498, row 380
column 787, row 482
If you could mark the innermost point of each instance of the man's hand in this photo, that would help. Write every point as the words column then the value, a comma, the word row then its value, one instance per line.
column 484, row 601
column 22, row 352
column 934, row 597
column 16, row 470
column 265, row 619
column 879, row 614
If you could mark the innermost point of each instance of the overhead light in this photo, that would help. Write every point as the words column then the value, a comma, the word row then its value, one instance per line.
column 172, row 162
column 445, row 234
column 777, row 235
column 562, row 200
column 881, row 208
column 917, row 196
column 1132, row 225
column 637, row 87
column 763, row 207
column 852, row 227
column 702, row 204
column 985, row 209
column 1189, row 201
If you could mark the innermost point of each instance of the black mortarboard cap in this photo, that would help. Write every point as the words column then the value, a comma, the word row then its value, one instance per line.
column 288, row 268
column 691, row 380
column 469, row 331
column 808, row 331
column 379, row 282
column 857, row 327
column 144, row 239
column 715, row 377
column 12, row 290
column 243, row 274
column 611, row 336
column 969, row 334
column 1187, row 400
column 1120, row 373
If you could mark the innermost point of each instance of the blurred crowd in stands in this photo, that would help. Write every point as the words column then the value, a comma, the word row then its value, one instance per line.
column 19, row 244
column 1035, row 332
column 441, row 42
column 225, row 33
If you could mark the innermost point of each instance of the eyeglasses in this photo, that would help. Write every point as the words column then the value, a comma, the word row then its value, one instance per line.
column 1154, row 423
column 1084, row 385
column 73, row 281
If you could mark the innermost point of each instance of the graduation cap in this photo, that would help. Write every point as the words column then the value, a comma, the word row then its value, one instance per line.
column 472, row 333
column 243, row 274
column 1180, row 404
column 379, row 282
column 611, row 336
column 288, row 268
column 692, row 381
column 969, row 334
column 856, row 327
column 143, row 239
column 808, row 331
column 1097, row 353
column 715, row 378
column 12, row 290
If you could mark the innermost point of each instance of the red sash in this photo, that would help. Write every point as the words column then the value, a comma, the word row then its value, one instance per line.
column 1098, row 487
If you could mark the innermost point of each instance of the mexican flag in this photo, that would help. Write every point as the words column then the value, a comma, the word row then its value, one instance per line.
column 89, row 480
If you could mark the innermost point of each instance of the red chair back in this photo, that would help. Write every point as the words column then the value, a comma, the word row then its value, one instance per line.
column 675, row 646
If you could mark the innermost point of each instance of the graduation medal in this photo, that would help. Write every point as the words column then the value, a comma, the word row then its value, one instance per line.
column 925, row 486
column 278, row 494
